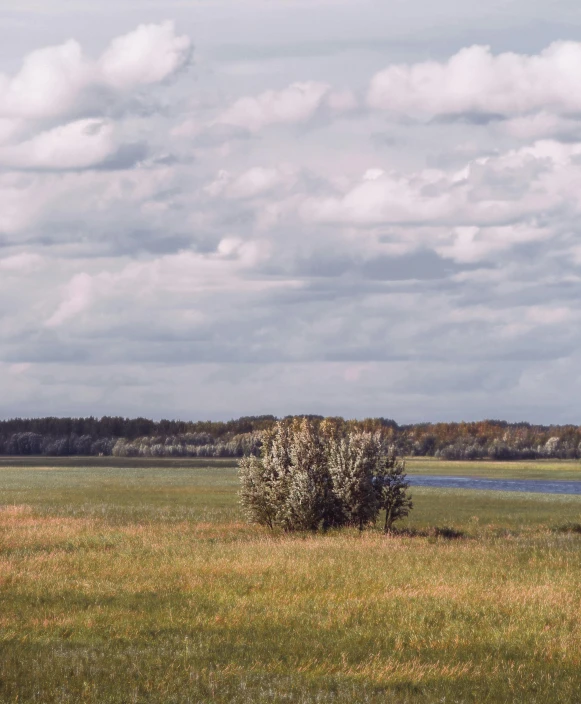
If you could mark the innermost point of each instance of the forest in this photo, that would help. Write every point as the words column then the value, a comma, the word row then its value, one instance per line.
column 142, row 437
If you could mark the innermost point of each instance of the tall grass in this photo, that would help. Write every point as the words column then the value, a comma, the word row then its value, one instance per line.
column 119, row 585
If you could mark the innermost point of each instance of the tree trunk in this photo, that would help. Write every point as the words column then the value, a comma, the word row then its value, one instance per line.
column 387, row 526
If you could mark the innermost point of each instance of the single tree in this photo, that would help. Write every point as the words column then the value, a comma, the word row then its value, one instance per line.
column 309, row 486
column 289, row 485
column 392, row 486
column 257, row 492
column 353, row 460
column 264, row 481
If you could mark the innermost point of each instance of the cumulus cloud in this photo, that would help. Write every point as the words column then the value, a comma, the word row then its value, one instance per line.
column 63, row 202
column 47, row 84
column 65, row 111
column 382, row 197
column 259, row 180
column 497, row 190
column 316, row 265
column 527, row 128
column 254, row 182
column 472, row 244
column 150, row 54
column 184, row 273
column 59, row 80
column 295, row 104
column 475, row 81
column 76, row 145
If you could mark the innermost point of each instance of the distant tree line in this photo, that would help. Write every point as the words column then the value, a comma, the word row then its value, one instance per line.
column 141, row 437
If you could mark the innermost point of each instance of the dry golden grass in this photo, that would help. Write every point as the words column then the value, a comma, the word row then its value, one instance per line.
column 104, row 600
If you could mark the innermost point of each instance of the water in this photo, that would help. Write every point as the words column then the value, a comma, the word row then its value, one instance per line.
column 534, row 486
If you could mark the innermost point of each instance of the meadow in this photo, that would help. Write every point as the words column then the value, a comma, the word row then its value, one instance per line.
column 139, row 582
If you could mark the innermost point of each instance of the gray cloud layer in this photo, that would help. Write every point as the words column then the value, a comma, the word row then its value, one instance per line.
column 341, row 221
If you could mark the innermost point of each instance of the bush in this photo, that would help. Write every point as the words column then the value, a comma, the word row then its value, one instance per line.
column 392, row 488
column 353, row 460
column 320, row 475
column 289, row 486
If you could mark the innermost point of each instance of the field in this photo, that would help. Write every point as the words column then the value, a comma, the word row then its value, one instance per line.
column 547, row 469
column 142, row 584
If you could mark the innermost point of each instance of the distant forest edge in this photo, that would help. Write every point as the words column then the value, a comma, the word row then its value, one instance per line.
column 140, row 437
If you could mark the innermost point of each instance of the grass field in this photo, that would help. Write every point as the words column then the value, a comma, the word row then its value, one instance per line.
column 142, row 584
column 550, row 469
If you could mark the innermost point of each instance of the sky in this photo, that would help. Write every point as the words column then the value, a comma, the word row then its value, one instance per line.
column 212, row 208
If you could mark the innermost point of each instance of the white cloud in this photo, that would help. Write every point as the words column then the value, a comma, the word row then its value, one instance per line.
column 538, row 125
column 254, row 182
column 56, row 80
column 23, row 263
column 472, row 244
column 58, row 85
column 476, row 81
column 30, row 201
column 219, row 184
column 513, row 186
column 185, row 273
column 215, row 248
column 381, row 197
column 9, row 129
column 342, row 101
column 77, row 296
column 150, row 54
column 373, row 174
column 48, row 83
column 295, row 104
column 77, row 145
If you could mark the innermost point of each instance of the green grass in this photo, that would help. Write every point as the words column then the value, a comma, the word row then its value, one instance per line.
column 142, row 584
column 550, row 469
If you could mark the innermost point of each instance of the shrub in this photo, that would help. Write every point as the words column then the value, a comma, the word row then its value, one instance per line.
column 312, row 476
column 392, row 488
column 257, row 492
column 353, row 461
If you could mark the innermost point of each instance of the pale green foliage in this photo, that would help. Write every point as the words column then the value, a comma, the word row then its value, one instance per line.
column 392, row 487
column 256, row 492
column 353, row 461
column 289, row 485
column 312, row 476
column 309, row 482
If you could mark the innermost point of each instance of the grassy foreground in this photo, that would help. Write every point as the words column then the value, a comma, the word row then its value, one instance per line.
column 143, row 585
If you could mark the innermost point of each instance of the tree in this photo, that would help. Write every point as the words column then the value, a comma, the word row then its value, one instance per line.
column 353, row 461
column 301, row 482
column 320, row 475
column 392, row 486
column 289, row 485
column 256, row 492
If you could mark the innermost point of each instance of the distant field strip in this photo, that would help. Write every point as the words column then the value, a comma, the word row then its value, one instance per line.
column 535, row 486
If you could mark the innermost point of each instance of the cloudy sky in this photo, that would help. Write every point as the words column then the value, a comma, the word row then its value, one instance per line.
column 211, row 208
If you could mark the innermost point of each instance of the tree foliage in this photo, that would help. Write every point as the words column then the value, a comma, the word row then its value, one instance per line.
column 392, row 489
column 142, row 437
column 353, row 461
column 312, row 476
